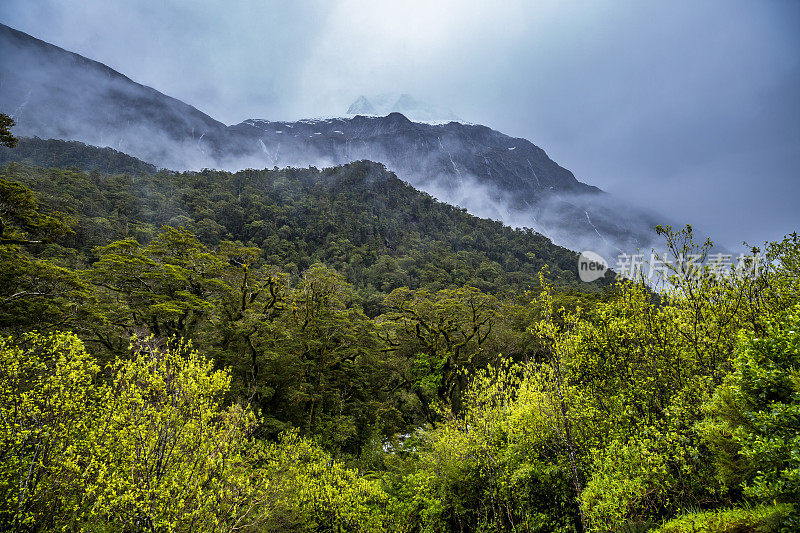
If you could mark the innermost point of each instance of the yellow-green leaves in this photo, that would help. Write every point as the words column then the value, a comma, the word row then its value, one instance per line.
column 303, row 489
column 48, row 403
column 753, row 422
column 153, row 449
column 169, row 452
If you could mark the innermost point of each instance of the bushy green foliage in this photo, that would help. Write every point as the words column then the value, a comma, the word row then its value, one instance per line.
column 34, row 292
column 170, row 456
column 304, row 489
column 489, row 469
column 614, row 403
column 334, row 351
column 766, row 519
column 754, row 417
column 444, row 335
column 297, row 355
column 48, row 403
column 7, row 139
column 153, row 449
column 377, row 231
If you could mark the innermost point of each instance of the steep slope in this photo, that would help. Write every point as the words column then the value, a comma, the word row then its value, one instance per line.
column 358, row 218
column 53, row 153
column 488, row 173
column 54, row 93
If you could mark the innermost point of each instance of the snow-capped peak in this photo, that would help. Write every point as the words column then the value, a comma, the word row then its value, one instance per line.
column 414, row 109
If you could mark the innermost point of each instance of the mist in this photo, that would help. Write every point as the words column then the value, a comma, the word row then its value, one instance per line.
column 689, row 109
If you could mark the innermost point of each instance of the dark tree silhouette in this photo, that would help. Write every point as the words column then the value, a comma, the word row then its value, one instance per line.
column 6, row 138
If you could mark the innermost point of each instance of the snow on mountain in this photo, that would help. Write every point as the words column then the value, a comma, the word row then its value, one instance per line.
column 488, row 173
column 383, row 104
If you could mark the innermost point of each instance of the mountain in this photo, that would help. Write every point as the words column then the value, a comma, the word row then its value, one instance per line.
column 384, row 104
column 490, row 174
column 54, row 153
column 53, row 93
column 358, row 218
column 361, row 106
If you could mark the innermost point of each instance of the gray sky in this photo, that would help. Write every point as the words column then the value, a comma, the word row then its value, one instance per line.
column 692, row 108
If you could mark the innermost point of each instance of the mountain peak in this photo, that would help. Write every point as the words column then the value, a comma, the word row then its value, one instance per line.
column 361, row 106
column 413, row 109
column 473, row 166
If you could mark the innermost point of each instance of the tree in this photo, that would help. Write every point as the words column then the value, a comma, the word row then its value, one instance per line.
column 321, row 371
column 443, row 335
column 48, row 404
column 35, row 293
column 152, row 450
column 169, row 456
column 21, row 221
column 753, row 420
column 6, row 138
column 551, row 390
column 166, row 288
column 304, row 489
column 257, row 296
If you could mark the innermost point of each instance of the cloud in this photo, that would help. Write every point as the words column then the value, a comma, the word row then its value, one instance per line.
column 690, row 108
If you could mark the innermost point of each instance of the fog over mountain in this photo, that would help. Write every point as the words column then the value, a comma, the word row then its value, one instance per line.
column 689, row 108
column 401, row 267
column 54, row 93
column 386, row 103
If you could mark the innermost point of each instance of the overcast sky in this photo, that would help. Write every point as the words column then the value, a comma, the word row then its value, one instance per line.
column 690, row 107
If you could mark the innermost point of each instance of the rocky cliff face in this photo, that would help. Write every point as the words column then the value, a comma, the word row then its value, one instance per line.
column 489, row 173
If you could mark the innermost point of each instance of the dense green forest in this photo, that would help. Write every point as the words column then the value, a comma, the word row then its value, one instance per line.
column 332, row 350
column 57, row 153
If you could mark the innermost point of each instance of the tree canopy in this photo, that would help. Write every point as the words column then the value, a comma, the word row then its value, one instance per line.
column 331, row 350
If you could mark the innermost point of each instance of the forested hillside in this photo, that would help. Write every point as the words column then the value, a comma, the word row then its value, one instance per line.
column 359, row 218
column 55, row 93
column 63, row 154
column 332, row 350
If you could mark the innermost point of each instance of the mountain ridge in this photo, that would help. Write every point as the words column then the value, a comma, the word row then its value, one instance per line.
column 483, row 170
column 358, row 218
column 384, row 104
column 54, row 93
